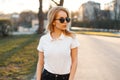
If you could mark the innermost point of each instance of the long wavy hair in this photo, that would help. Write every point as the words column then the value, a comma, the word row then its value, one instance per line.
column 51, row 16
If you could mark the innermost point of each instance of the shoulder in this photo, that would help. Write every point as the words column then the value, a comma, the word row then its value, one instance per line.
column 44, row 37
column 72, row 37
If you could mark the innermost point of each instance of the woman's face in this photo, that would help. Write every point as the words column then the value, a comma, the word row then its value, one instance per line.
column 60, row 20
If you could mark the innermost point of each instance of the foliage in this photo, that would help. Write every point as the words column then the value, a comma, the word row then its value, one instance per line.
column 6, row 21
column 5, row 27
column 26, row 18
column 99, row 24
column 81, row 24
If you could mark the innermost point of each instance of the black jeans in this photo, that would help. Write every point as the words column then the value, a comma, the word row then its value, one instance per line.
column 50, row 76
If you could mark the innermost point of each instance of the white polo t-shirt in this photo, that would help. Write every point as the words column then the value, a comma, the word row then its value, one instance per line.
column 57, row 52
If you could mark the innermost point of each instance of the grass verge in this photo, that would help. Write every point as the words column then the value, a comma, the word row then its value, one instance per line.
column 109, row 34
column 21, row 64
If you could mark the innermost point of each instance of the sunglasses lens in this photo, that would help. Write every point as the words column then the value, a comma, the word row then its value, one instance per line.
column 68, row 19
column 62, row 20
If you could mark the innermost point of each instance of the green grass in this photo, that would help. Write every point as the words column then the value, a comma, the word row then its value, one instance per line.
column 10, row 43
column 20, row 61
column 109, row 34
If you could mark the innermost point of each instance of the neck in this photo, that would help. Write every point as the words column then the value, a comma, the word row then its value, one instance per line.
column 56, row 34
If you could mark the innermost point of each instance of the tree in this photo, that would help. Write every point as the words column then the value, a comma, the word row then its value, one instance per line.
column 26, row 18
column 40, row 18
column 60, row 2
column 41, row 15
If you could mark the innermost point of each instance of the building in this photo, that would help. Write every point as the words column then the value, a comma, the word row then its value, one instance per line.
column 89, row 11
column 35, row 24
column 114, row 8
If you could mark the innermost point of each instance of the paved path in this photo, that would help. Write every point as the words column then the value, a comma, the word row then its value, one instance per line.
column 98, row 58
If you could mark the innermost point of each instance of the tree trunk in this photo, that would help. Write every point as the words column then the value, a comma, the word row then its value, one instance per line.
column 60, row 3
column 41, row 19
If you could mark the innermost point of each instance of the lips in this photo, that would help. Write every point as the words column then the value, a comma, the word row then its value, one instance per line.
column 64, row 25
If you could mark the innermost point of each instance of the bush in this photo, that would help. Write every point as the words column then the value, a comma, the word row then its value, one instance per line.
column 98, row 24
column 5, row 27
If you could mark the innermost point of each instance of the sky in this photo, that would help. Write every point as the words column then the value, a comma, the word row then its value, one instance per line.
column 11, row 6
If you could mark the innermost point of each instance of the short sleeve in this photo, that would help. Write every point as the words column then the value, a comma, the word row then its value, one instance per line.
column 40, row 45
column 75, row 43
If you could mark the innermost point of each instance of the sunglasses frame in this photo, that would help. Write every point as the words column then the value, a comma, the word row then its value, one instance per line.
column 62, row 20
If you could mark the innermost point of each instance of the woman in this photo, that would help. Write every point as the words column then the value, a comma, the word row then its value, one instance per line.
column 58, row 48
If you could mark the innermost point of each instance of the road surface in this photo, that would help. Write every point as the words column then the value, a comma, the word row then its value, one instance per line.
column 98, row 58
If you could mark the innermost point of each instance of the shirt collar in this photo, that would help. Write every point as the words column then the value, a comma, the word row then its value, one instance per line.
column 60, row 38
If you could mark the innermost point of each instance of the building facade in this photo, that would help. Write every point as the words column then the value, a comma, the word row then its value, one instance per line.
column 114, row 8
column 89, row 11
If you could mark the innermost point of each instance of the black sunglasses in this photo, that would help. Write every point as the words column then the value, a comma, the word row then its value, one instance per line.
column 62, row 20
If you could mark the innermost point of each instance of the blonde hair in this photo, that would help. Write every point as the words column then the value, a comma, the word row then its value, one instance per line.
column 51, row 16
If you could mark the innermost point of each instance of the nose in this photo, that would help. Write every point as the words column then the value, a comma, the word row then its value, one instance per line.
column 65, row 21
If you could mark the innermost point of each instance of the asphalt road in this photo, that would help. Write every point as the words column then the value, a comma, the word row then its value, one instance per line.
column 98, row 58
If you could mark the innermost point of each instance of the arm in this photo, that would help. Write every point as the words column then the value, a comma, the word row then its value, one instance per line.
column 40, row 65
column 74, row 56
